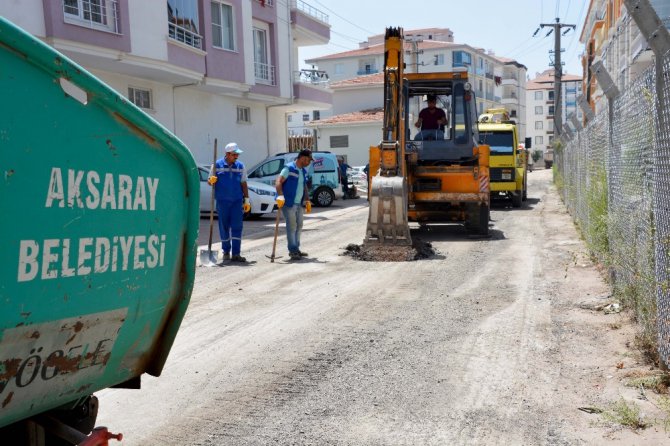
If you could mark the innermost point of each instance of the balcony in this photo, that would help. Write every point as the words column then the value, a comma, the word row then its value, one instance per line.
column 310, row 25
column 184, row 35
column 512, row 82
column 365, row 71
column 264, row 73
column 102, row 16
column 312, row 77
column 310, row 89
column 510, row 99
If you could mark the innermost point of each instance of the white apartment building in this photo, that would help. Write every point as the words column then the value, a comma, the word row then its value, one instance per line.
column 497, row 82
column 610, row 35
column 541, row 104
column 204, row 69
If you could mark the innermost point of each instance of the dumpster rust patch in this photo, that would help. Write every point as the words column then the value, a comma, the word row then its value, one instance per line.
column 67, row 351
column 135, row 129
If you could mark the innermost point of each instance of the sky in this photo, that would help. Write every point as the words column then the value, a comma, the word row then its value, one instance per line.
column 504, row 26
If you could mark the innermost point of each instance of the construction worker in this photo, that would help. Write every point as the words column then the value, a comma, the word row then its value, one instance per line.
column 229, row 178
column 292, row 193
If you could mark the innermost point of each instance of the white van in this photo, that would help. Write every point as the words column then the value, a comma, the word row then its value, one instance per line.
column 323, row 172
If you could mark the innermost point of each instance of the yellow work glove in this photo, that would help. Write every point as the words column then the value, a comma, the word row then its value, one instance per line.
column 280, row 201
column 246, row 207
column 212, row 180
column 308, row 207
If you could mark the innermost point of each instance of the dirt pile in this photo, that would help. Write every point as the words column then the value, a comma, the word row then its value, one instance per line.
column 390, row 253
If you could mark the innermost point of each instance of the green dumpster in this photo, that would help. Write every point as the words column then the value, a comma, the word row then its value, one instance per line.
column 99, row 226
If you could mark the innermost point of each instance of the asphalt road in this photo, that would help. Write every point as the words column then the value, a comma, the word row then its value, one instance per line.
column 486, row 342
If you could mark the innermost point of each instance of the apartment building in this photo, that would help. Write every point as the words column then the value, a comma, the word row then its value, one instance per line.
column 204, row 69
column 541, row 104
column 497, row 81
column 609, row 34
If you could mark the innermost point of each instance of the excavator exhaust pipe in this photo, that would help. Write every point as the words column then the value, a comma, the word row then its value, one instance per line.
column 387, row 222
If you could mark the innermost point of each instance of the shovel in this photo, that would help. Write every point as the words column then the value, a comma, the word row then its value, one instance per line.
column 209, row 257
column 274, row 244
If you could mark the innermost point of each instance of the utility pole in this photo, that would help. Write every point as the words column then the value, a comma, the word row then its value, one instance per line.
column 558, row 70
column 415, row 51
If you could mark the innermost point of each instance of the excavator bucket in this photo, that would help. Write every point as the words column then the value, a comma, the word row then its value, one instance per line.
column 387, row 222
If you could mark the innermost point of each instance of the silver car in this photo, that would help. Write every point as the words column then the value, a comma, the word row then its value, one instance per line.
column 261, row 195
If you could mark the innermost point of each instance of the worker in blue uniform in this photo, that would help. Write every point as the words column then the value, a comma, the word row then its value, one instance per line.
column 229, row 178
column 292, row 195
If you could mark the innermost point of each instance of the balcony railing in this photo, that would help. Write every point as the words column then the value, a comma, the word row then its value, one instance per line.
column 314, row 77
column 309, row 10
column 265, row 74
column 184, row 35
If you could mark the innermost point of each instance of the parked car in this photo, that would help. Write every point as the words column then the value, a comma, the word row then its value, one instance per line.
column 357, row 175
column 261, row 195
column 323, row 174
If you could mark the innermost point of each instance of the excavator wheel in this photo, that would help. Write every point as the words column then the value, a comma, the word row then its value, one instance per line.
column 484, row 220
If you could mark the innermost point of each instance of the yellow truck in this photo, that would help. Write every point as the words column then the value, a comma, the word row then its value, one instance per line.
column 508, row 158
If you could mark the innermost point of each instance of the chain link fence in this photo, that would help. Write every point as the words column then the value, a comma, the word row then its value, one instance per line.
column 614, row 177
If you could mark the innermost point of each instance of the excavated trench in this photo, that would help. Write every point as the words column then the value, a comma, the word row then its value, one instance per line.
column 390, row 253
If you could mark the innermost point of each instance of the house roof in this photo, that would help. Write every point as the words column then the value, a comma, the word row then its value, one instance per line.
column 363, row 116
column 368, row 79
column 376, row 50
column 542, row 81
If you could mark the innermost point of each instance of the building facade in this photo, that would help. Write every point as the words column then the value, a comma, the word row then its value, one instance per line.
column 541, row 104
column 204, row 69
column 610, row 35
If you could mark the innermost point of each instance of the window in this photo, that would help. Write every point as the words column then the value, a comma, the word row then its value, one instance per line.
column 305, row 117
column 550, row 95
column 317, row 115
column 539, row 140
column 290, row 118
column 222, row 26
column 263, row 71
column 97, row 14
column 538, row 95
column 140, row 97
column 500, row 142
column 512, row 114
column 539, row 125
column 243, row 114
column 439, row 59
column 538, row 109
column 462, row 58
column 339, row 68
column 183, row 22
column 551, row 139
column 339, row 141
column 551, row 110
column 272, row 167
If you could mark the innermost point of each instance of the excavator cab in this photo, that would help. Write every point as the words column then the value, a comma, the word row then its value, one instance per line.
column 426, row 176
column 453, row 141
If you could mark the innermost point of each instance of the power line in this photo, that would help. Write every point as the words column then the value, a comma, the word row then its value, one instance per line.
column 345, row 19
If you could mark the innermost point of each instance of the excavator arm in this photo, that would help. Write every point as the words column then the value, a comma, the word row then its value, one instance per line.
column 388, row 222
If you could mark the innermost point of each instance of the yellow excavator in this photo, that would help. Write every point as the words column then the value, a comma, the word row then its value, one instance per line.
column 439, row 176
